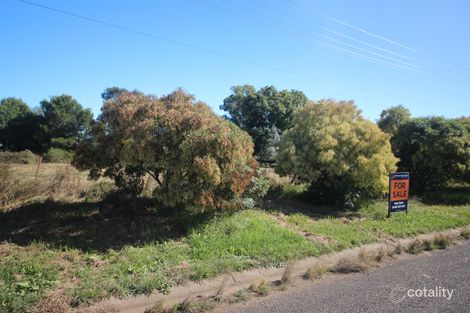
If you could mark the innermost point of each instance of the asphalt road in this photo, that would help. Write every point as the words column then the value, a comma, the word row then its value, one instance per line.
column 392, row 288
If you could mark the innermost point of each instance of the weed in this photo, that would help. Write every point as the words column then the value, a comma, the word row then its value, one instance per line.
column 348, row 265
column 316, row 271
column 442, row 241
column 260, row 288
column 240, row 295
column 416, row 246
column 398, row 248
column 427, row 245
column 287, row 274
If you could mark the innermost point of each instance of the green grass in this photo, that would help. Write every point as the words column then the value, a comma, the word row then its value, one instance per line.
column 90, row 257
column 235, row 242
column 371, row 224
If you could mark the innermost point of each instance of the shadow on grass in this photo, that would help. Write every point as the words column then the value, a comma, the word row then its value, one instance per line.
column 455, row 195
column 80, row 225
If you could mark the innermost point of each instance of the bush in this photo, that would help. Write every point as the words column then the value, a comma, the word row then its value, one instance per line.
column 197, row 158
column 22, row 157
column 55, row 155
column 343, row 157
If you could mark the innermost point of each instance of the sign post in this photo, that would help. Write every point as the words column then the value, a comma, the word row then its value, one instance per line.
column 399, row 192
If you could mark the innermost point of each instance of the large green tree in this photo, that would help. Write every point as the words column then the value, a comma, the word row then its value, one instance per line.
column 11, row 108
column 65, row 121
column 342, row 156
column 392, row 118
column 197, row 158
column 265, row 114
column 435, row 150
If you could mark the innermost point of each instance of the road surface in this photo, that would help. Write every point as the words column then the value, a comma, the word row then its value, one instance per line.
column 431, row 282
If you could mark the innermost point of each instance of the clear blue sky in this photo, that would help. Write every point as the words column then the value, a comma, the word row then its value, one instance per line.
column 418, row 57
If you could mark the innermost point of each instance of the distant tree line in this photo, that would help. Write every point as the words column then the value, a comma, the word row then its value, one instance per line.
column 199, row 159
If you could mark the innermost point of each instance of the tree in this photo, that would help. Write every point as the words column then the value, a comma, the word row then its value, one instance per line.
column 197, row 158
column 23, row 133
column 392, row 118
column 65, row 122
column 264, row 114
column 434, row 150
column 11, row 108
column 112, row 92
column 342, row 156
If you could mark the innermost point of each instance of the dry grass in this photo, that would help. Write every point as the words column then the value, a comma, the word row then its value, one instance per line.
column 442, row 241
column 365, row 259
column 465, row 233
column 159, row 307
column 316, row 271
column 54, row 302
column 222, row 286
column 61, row 182
column 415, row 247
column 260, row 287
column 287, row 274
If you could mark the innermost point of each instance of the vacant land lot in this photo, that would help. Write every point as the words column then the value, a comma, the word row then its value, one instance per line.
column 61, row 253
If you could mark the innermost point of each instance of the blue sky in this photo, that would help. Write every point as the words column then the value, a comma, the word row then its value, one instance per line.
column 378, row 53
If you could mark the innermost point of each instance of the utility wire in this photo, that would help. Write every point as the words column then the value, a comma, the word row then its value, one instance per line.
column 332, row 18
column 171, row 41
column 388, row 63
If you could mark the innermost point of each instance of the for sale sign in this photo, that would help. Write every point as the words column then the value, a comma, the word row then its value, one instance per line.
column 399, row 192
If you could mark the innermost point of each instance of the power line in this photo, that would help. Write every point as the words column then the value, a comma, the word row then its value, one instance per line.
column 362, row 30
column 290, row 31
column 163, row 39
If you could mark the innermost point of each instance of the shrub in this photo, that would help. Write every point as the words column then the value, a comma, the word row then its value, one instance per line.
column 197, row 158
column 22, row 157
column 342, row 156
column 56, row 155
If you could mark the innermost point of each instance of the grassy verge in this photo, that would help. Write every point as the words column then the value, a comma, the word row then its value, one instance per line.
column 371, row 224
column 70, row 251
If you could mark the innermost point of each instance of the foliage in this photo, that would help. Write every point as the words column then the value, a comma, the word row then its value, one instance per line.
column 59, row 123
column 24, row 133
column 197, row 158
column 342, row 156
column 392, row 118
column 56, row 155
column 264, row 114
column 64, row 121
column 11, row 108
column 434, row 150
column 21, row 157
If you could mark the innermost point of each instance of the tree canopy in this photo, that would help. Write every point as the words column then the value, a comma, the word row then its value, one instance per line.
column 264, row 114
column 11, row 108
column 435, row 150
column 197, row 158
column 342, row 156
column 392, row 118
column 64, row 121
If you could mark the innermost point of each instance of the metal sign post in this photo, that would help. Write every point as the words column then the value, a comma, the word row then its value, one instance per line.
column 399, row 192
